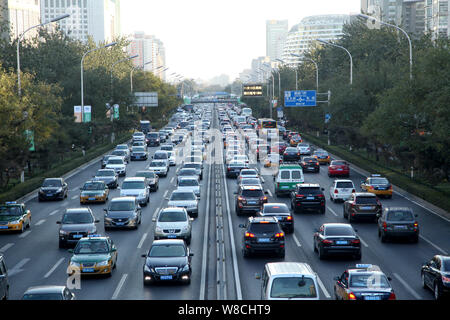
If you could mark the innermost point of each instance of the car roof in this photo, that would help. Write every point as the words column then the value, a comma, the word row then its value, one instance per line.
column 167, row 242
column 252, row 187
column 134, row 179
column 309, row 185
column 289, row 268
column 262, row 220
column 364, row 268
column 45, row 289
column 133, row 199
column 365, row 194
column 77, row 210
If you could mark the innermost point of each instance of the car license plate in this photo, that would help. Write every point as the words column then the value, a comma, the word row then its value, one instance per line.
column 88, row 269
column 341, row 242
column 339, row 169
column 252, row 202
column 309, row 198
column 120, row 223
column 372, row 298
column 366, row 208
column 171, row 236
column 166, row 277
column 285, row 187
column 78, row 236
column 280, row 218
column 3, row 227
column 264, row 240
column 91, row 199
column 138, row 157
column 400, row 227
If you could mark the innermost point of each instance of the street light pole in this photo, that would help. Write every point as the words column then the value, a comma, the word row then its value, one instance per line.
column 315, row 64
column 131, row 74
column 112, row 69
column 351, row 59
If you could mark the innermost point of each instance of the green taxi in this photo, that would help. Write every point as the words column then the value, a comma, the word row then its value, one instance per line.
column 93, row 255
column 14, row 217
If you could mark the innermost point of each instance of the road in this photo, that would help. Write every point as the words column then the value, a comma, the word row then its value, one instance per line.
column 219, row 270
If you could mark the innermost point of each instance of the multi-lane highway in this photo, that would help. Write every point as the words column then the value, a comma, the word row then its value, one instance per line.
column 219, row 269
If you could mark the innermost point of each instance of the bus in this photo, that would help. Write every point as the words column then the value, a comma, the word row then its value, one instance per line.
column 145, row 126
column 265, row 123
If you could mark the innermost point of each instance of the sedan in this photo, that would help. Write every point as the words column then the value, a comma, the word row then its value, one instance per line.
column 339, row 168
column 48, row 293
column 337, row 238
column 281, row 212
column 291, row 154
column 436, row 275
column 53, row 189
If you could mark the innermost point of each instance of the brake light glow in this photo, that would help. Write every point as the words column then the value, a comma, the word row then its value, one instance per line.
column 392, row 296
column 249, row 235
column 289, row 218
column 351, row 296
column 299, row 195
column 336, row 191
column 445, row 279
column 356, row 241
column 279, row 235
column 327, row 241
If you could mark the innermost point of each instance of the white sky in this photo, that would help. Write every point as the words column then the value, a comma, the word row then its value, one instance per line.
column 206, row 38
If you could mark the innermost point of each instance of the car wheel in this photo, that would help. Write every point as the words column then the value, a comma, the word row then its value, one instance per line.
column 23, row 227
column 245, row 253
column 424, row 285
column 188, row 241
column 321, row 253
column 62, row 245
column 282, row 254
column 437, row 291
column 383, row 237
column 344, row 213
column 322, row 211
column 350, row 218
column 238, row 212
column 315, row 248
column 415, row 239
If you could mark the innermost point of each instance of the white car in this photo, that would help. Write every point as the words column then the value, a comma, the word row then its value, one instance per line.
column 118, row 164
column 172, row 158
column 138, row 136
column 341, row 190
column 247, row 173
column 160, row 167
column 189, row 184
column 136, row 187
column 241, row 158
column 173, row 223
column 304, row 148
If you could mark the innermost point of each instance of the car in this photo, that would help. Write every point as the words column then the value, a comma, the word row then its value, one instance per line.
column 378, row 185
column 138, row 144
column 4, row 282
column 304, row 148
column 122, row 153
column 262, row 150
column 123, row 147
column 48, row 292
column 104, row 160
column 138, row 153
column 136, row 187
column 291, row 155
column 337, row 239
column 263, row 235
column 310, row 164
column 75, row 224
column 184, row 199
column 167, row 260
column 161, row 155
column 151, row 177
column 123, row 212
column 187, row 172
column 234, row 168
column 289, row 281
column 295, row 140
column 172, row 158
column 287, row 178
column 398, row 222
column 163, row 136
column 363, row 282
column 435, row 275
column 362, row 205
column 247, row 173
column 308, row 196
column 279, row 147
column 240, row 158
column 173, row 223
column 322, row 156
column 93, row 255
column 167, row 147
column 108, row 176
column 281, row 212
column 94, row 191
column 189, row 184
column 14, row 217
column 198, row 166
column 249, row 199
column 231, row 153
column 138, row 136
column 153, row 139
column 339, row 168
column 53, row 189
column 118, row 164
column 250, row 182
column 341, row 190
column 160, row 167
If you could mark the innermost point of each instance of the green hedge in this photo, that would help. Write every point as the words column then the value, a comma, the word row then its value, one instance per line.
column 434, row 196
column 34, row 183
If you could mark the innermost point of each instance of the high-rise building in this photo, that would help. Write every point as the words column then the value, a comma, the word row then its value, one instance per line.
column 99, row 19
column 19, row 15
column 437, row 18
column 276, row 32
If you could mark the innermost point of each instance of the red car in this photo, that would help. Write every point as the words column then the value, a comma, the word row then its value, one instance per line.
column 339, row 168
column 279, row 147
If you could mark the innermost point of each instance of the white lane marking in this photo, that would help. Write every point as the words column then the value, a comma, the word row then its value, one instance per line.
column 432, row 244
column 296, row 241
column 23, row 235
column 6, row 247
column 18, row 267
column 172, row 180
column 40, row 222
column 75, row 189
column 406, row 285
column 54, row 268
column 332, row 211
column 325, row 292
column 270, row 193
column 144, row 236
column 54, row 212
column 165, row 193
column 363, row 242
column 74, row 197
column 119, row 286
column 205, row 240
column 65, row 204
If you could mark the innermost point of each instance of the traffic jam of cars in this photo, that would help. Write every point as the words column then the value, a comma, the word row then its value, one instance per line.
column 272, row 171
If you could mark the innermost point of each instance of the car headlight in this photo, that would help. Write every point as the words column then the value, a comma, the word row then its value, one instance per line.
column 185, row 268
column 15, row 222
column 59, row 190
column 63, row 233
column 158, row 229
column 103, row 263
column 74, row 264
column 142, row 195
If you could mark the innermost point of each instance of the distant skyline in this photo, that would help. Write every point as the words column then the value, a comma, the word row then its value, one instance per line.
column 207, row 38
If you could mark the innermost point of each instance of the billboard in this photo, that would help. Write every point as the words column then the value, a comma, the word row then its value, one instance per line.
column 146, row 99
column 252, row 90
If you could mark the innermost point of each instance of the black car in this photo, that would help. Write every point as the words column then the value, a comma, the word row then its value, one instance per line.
column 152, row 179
column 234, row 168
column 153, row 139
column 250, row 199
column 398, row 222
column 109, row 176
column 310, row 164
column 281, row 212
column 263, row 235
column 436, row 275
column 123, row 212
column 308, row 197
column 291, row 155
column 75, row 224
column 53, row 189
column 337, row 238
column 167, row 260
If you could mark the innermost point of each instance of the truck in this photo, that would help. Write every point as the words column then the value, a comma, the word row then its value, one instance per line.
column 145, row 126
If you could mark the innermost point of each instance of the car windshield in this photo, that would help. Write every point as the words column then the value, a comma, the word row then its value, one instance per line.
column 138, row 149
column 250, row 181
column 368, row 281
column 310, row 191
column 122, row 147
column 77, row 218
column 252, row 193
column 121, row 206
column 293, row 287
column 249, row 173
column 339, row 163
column 157, row 164
column 379, row 181
column 188, row 183
column 339, row 231
column 446, row 265
column 42, row 296
column 263, row 228
column 10, row 211
column 172, row 216
column 400, row 216
column 192, row 165
column 306, row 159
column 94, row 186
column 366, row 200
column 296, row 175
column 91, row 247
column 115, row 161
column 188, row 172
column 105, row 174
column 146, row 174
column 285, row 174
column 133, row 185
column 52, row 183
column 153, row 135
column 344, row 185
column 160, row 155
column 183, row 196
column 119, row 152
column 160, row 251
column 276, row 209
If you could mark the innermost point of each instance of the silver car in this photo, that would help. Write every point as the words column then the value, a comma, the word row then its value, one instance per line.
column 184, row 199
column 118, row 164
column 173, row 223
column 160, row 167
column 136, row 187
column 189, row 184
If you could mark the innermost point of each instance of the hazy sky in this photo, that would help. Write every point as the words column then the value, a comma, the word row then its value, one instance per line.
column 206, row 38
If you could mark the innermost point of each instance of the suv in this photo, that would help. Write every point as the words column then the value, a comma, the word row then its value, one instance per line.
column 308, row 196
column 118, row 164
column 263, row 234
column 398, row 222
column 136, row 187
column 250, row 198
column 362, row 204
column 76, row 224
column 4, row 284
column 123, row 212
column 173, row 223
column 53, row 188
column 281, row 212
column 153, row 139
column 234, row 168
column 287, row 178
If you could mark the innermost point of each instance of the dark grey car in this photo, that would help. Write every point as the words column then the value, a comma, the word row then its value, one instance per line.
column 53, row 189
column 75, row 224
column 123, row 212
column 4, row 284
column 48, row 293
column 397, row 222
column 108, row 176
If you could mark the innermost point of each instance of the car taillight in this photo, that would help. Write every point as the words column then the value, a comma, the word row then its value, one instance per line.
column 356, row 241
column 279, row 235
column 392, row 296
column 240, row 198
column 384, row 226
column 320, row 196
column 289, row 218
column 351, row 296
column 336, row 191
column 299, row 195
column 317, row 163
column 353, row 191
column 445, row 279
column 327, row 241
column 416, row 225
column 249, row 235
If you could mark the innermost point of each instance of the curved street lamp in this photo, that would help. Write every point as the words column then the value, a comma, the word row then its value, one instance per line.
column 351, row 59
column 301, row 58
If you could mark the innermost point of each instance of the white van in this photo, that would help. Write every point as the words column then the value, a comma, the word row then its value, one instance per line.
column 289, row 281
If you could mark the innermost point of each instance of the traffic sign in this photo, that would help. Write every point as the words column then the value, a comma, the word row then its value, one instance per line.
column 300, row 98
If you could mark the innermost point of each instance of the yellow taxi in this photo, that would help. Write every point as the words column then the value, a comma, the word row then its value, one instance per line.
column 272, row 160
column 94, row 191
column 322, row 157
column 378, row 185
column 14, row 217
column 295, row 140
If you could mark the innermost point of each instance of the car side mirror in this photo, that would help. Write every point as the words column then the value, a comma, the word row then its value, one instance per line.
column 58, row 222
column 143, row 255
column 241, row 225
column 389, row 278
column 257, row 276
column 97, row 221
column 266, row 192
column 191, row 254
